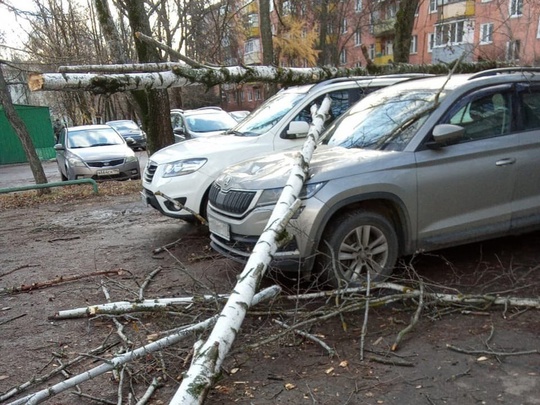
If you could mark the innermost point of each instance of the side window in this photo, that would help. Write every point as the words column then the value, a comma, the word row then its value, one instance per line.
column 341, row 101
column 530, row 109
column 483, row 115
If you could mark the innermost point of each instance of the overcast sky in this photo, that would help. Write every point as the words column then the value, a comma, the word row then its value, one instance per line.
column 14, row 35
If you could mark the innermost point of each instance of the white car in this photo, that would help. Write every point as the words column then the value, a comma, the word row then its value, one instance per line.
column 184, row 171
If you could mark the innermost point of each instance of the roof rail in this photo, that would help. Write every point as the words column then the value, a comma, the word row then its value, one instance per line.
column 342, row 79
column 496, row 71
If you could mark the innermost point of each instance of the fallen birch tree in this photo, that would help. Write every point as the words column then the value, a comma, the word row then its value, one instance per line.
column 209, row 355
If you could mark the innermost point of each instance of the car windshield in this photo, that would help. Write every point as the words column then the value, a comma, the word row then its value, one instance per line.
column 210, row 122
column 87, row 138
column 123, row 125
column 268, row 114
column 385, row 120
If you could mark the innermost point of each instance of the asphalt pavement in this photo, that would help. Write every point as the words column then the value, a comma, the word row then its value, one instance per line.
column 20, row 174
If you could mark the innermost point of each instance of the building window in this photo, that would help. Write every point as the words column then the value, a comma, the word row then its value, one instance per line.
column 257, row 94
column 391, row 11
column 250, row 96
column 253, row 20
column 414, row 44
column 538, row 30
column 343, row 57
column 388, row 48
column 512, row 50
column 516, row 8
column 371, row 51
column 486, row 33
column 430, row 42
column 448, row 34
column 358, row 6
column 252, row 46
column 344, row 26
column 432, row 6
column 358, row 37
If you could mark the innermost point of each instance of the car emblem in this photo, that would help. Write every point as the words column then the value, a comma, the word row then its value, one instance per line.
column 227, row 181
column 105, row 163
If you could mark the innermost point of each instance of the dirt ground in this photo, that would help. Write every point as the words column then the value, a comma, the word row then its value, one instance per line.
column 79, row 240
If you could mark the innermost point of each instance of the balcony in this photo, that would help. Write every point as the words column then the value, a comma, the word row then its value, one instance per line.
column 449, row 10
column 384, row 27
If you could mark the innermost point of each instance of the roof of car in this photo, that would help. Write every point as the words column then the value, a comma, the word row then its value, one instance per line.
column 85, row 127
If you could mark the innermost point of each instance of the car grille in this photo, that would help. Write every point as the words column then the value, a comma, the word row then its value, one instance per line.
column 149, row 172
column 232, row 201
column 106, row 163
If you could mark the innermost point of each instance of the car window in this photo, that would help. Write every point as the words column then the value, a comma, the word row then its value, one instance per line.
column 210, row 122
column 93, row 137
column 385, row 120
column 341, row 101
column 530, row 104
column 483, row 114
column 177, row 121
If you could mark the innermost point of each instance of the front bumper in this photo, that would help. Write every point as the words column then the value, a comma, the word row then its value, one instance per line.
column 189, row 190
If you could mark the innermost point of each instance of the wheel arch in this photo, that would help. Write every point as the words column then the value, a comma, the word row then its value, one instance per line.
column 386, row 204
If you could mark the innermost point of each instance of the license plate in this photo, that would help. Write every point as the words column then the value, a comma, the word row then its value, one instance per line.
column 219, row 228
column 107, row 172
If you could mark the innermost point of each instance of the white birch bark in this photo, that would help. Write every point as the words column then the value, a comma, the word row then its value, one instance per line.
column 117, row 361
column 124, row 307
column 104, row 83
column 178, row 76
column 209, row 356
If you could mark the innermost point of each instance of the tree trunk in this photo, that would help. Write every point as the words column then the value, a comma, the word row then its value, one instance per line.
column 156, row 110
column 266, row 32
column 323, row 27
column 22, row 133
column 403, row 28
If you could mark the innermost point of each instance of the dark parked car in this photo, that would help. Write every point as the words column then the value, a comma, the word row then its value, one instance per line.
column 413, row 167
column 130, row 130
column 97, row 152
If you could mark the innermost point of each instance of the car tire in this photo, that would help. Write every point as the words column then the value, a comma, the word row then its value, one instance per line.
column 359, row 241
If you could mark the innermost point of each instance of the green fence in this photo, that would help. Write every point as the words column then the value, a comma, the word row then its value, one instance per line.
column 38, row 123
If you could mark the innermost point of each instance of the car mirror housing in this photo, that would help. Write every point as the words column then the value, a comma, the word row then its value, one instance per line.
column 446, row 134
column 297, row 129
column 59, row 146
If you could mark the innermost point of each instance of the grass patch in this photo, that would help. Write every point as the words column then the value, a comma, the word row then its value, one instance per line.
column 72, row 193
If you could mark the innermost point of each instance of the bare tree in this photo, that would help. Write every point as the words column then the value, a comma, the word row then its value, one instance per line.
column 22, row 133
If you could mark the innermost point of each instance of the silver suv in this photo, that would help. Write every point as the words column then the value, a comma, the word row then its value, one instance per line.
column 413, row 167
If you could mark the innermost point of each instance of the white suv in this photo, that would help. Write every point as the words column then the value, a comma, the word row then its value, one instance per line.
column 185, row 171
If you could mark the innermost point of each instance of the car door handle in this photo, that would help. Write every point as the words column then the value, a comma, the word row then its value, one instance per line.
column 505, row 162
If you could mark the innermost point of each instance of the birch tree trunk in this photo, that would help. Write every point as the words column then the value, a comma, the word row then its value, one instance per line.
column 209, row 356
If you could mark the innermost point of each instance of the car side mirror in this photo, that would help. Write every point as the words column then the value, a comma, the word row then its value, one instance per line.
column 178, row 131
column 297, row 129
column 445, row 134
column 59, row 146
column 130, row 141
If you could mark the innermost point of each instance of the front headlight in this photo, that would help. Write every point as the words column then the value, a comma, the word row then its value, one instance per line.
column 183, row 167
column 270, row 196
column 130, row 159
column 74, row 161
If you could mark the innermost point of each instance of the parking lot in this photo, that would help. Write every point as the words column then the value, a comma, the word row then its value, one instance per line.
column 20, row 174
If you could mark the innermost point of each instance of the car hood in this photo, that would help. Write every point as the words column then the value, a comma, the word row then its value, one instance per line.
column 328, row 162
column 202, row 147
column 206, row 134
column 103, row 152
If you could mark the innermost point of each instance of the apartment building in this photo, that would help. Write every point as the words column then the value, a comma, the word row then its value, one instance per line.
column 360, row 30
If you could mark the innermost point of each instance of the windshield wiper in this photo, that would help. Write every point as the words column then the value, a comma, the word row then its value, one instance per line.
column 102, row 144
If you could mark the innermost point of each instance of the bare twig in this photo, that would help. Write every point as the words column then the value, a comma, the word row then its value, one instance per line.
column 493, row 353
column 331, row 352
column 414, row 319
